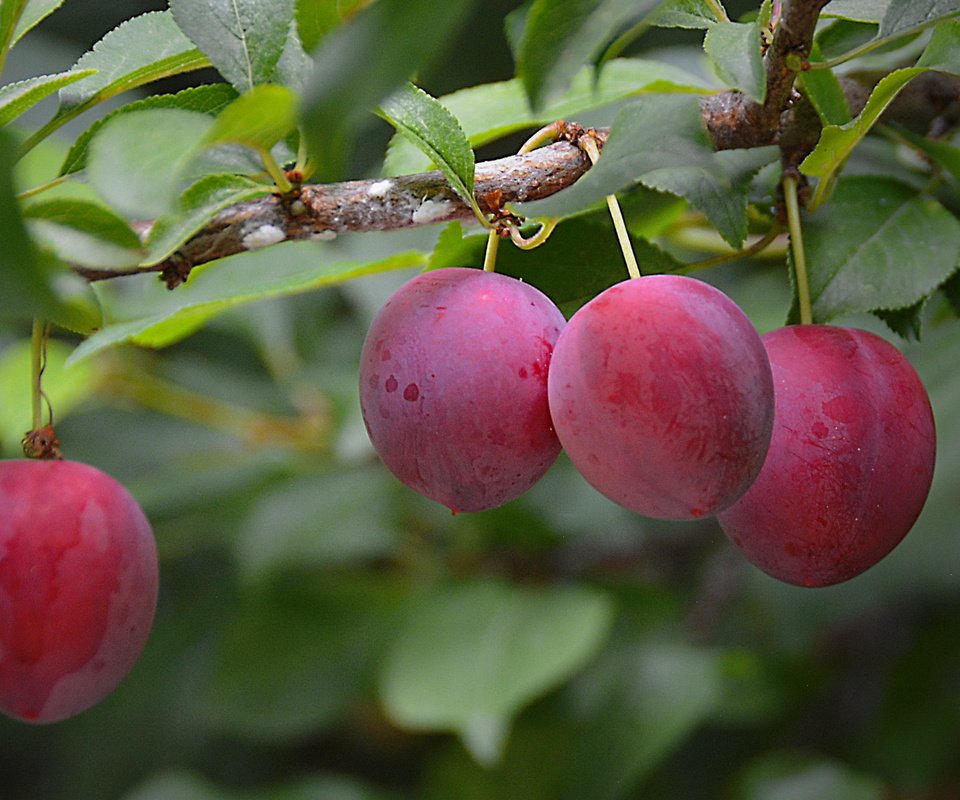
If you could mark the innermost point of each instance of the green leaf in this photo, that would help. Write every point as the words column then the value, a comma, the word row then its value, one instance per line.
column 65, row 388
column 361, row 63
column 734, row 49
column 155, row 317
column 696, row 14
column 493, row 110
column 199, row 204
column 244, row 39
column 637, row 705
column 905, row 322
column 906, row 16
column 210, row 99
column 879, row 244
column 26, row 292
column 468, row 658
column 10, row 13
column 857, row 10
column 432, row 128
column 560, row 36
column 294, row 657
column 259, row 119
column 84, row 233
column 943, row 51
column 141, row 50
column 319, row 521
column 795, row 776
column 35, row 12
column 138, row 161
column 837, row 141
column 823, row 90
column 677, row 157
column 316, row 18
column 15, row 98
column 943, row 154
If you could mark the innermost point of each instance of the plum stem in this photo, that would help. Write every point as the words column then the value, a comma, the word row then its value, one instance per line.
column 490, row 254
column 589, row 145
column 796, row 248
column 38, row 347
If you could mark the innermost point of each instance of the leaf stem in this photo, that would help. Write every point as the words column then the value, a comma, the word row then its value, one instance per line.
column 546, row 228
column 796, row 248
column 589, row 145
column 752, row 249
column 275, row 171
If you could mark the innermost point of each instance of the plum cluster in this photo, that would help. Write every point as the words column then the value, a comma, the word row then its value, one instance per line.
column 813, row 445
column 78, row 587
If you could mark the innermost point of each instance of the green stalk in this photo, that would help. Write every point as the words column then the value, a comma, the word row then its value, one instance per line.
column 796, row 248
column 37, row 347
column 623, row 235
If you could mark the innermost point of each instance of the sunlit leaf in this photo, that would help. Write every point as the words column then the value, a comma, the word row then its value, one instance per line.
column 435, row 131
column 316, row 18
column 687, row 14
column 259, row 118
column 155, row 317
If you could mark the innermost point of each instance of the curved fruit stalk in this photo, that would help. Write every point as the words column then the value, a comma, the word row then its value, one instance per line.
column 453, row 386
column 78, row 587
column 851, row 459
column 662, row 396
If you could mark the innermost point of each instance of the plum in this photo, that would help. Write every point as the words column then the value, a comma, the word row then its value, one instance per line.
column 453, row 386
column 661, row 394
column 850, row 462
column 78, row 587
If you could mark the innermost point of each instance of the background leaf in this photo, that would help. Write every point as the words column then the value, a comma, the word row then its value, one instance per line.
column 468, row 658
column 903, row 16
column 316, row 18
column 244, row 39
column 560, row 36
column 138, row 161
column 361, row 63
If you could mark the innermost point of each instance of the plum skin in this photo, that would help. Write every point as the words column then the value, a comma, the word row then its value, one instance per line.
column 662, row 396
column 453, row 376
column 78, row 587
column 850, row 463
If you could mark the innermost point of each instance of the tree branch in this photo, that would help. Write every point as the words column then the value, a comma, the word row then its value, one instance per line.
column 734, row 121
